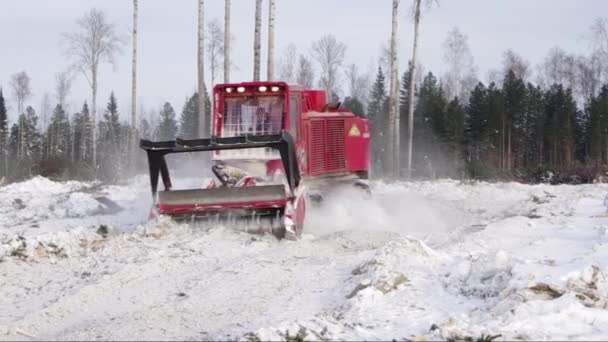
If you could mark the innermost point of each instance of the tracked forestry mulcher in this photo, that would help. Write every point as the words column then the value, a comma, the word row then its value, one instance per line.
column 274, row 147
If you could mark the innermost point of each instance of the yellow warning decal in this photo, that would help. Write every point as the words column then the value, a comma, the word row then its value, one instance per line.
column 354, row 131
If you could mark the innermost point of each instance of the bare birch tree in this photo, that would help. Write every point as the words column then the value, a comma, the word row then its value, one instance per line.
column 392, row 165
column 215, row 48
column 227, row 42
column 589, row 71
column 45, row 109
column 385, row 56
column 358, row 83
column 63, row 87
column 271, row 17
column 512, row 61
column 416, row 12
column 599, row 42
column 305, row 76
column 287, row 63
column 203, row 128
column 257, row 40
column 95, row 42
column 20, row 84
column 134, row 125
column 410, row 118
column 329, row 53
column 460, row 77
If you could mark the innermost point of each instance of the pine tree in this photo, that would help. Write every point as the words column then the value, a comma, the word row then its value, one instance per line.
column 534, row 127
column 404, row 106
column 167, row 127
column 454, row 135
column 110, row 126
column 82, row 137
column 378, row 120
column 597, row 126
column 25, row 142
column 113, row 142
column 560, row 112
column 188, row 121
column 496, row 118
column 515, row 98
column 32, row 135
column 13, row 142
column 4, row 133
column 476, row 126
column 59, row 134
column 429, row 125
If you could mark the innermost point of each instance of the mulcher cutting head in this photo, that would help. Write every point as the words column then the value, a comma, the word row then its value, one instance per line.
column 269, row 206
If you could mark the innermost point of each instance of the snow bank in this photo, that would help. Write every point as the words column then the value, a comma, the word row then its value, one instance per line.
column 39, row 199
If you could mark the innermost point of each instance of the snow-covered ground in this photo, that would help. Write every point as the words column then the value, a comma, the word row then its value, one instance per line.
column 425, row 260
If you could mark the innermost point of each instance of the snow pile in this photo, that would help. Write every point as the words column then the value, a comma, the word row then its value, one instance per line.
column 41, row 218
column 393, row 265
column 41, row 199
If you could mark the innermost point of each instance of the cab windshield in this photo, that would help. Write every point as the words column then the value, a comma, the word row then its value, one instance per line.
column 252, row 115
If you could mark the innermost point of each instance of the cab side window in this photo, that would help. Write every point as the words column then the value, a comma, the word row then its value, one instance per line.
column 294, row 110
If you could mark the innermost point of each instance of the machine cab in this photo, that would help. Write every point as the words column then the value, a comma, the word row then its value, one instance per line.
column 254, row 108
column 329, row 140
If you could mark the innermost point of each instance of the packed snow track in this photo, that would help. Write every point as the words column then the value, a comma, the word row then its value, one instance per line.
column 424, row 260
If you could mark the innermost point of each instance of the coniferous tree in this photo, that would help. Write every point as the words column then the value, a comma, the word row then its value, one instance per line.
column 514, row 101
column 167, row 127
column 429, row 127
column 403, row 112
column 377, row 117
column 112, row 145
column 82, row 137
column 4, row 133
column 597, row 130
column 13, row 142
column 476, row 125
column 560, row 112
column 110, row 126
column 25, row 142
column 534, row 127
column 188, row 121
column 33, row 137
column 454, row 138
column 496, row 110
column 59, row 134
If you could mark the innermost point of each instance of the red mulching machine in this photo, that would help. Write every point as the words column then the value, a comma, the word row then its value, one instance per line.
column 274, row 146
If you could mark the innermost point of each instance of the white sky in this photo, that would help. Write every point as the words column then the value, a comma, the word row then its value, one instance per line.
column 30, row 38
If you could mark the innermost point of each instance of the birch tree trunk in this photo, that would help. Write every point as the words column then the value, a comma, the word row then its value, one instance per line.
column 134, row 88
column 270, row 66
column 227, row 42
column 94, row 120
column 257, row 40
column 410, row 120
column 202, row 117
column 393, row 129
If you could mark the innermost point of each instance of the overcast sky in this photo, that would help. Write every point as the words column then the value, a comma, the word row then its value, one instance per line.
column 30, row 38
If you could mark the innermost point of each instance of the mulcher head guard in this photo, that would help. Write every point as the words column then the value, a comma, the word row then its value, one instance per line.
column 258, row 207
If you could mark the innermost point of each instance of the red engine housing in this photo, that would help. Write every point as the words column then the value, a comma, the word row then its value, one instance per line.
column 329, row 140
